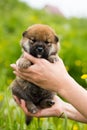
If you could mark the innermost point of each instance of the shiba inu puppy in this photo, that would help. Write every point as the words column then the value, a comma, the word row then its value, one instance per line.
column 40, row 41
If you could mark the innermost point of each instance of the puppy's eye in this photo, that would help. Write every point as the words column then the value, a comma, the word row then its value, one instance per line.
column 48, row 43
column 32, row 40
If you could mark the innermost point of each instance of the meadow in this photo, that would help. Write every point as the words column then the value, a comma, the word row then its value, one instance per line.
column 15, row 18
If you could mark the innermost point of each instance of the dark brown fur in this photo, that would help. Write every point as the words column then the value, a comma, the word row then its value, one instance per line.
column 41, row 42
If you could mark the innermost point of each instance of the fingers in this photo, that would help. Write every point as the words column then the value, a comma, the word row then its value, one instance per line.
column 17, row 69
column 17, row 72
column 24, row 108
column 47, row 112
column 14, row 66
column 23, row 75
column 22, row 104
column 30, row 58
column 17, row 100
column 41, row 113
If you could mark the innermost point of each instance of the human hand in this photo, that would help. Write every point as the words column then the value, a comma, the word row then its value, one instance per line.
column 55, row 110
column 51, row 76
column 60, row 109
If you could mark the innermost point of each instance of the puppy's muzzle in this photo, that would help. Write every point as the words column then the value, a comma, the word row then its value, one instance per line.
column 40, row 49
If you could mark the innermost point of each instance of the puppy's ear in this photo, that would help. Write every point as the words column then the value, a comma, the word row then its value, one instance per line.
column 56, row 38
column 24, row 33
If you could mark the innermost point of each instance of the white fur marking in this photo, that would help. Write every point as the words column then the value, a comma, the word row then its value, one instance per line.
column 26, row 46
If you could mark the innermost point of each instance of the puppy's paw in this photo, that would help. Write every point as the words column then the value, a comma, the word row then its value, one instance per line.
column 31, row 107
column 53, row 59
column 46, row 103
column 50, row 103
column 33, row 110
column 23, row 63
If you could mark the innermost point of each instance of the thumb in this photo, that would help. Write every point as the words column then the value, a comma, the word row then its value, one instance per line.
column 30, row 57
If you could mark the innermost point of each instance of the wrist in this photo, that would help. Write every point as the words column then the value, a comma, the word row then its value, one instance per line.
column 59, row 111
column 64, row 84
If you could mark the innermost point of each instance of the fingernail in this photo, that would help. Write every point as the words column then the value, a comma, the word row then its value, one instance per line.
column 12, row 65
column 14, row 72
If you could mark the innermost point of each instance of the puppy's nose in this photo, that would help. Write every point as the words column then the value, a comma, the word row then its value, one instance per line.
column 39, row 49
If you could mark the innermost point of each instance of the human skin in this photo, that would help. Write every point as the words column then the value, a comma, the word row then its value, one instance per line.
column 60, row 109
column 54, row 77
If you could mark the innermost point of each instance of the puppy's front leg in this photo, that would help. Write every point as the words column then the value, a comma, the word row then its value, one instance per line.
column 53, row 58
column 31, row 107
column 23, row 63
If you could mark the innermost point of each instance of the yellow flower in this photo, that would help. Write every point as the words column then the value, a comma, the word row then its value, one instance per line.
column 84, row 76
column 1, row 98
column 78, row 63
column 75, row 127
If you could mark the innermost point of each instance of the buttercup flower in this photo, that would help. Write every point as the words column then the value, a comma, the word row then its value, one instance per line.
column 1, row 98
column 84, row 76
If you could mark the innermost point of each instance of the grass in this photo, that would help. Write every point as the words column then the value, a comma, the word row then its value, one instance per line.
column 12, row 118
column 16, row 18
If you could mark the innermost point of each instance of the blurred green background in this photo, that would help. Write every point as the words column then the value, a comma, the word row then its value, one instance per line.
column 15, row 17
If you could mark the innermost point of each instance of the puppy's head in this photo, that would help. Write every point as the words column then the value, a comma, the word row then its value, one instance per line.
column 40, row 41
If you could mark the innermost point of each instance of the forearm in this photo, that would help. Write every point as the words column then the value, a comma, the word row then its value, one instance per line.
column 73, row 114
column 75, row 95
